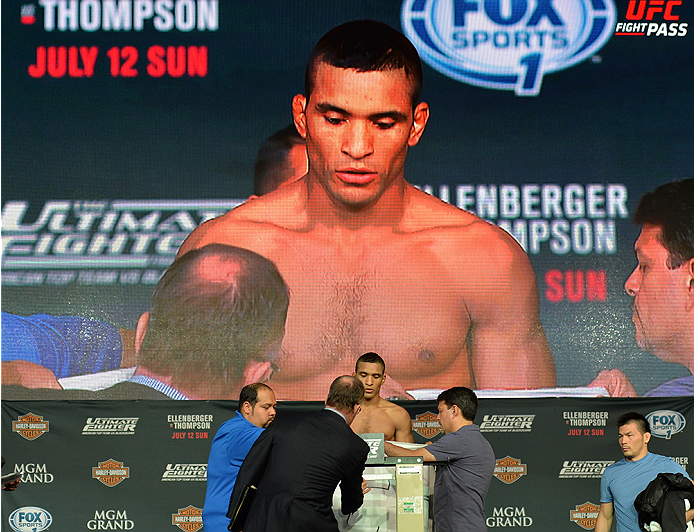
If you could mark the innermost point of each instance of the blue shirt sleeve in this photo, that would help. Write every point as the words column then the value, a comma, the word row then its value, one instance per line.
column 66, row 345
column 673, row 388
column 445, row 448
column 670, row 466
column 605, row 493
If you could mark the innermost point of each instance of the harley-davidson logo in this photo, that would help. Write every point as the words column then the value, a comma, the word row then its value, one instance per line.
column 585, row 515
column 30, row 426
column 188, row 519
column 110, row 473
column 509, row 469
column 426, row 425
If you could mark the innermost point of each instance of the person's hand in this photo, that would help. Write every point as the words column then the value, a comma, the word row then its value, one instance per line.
column 29, row 375
column 11, row 486
column 364, row 487
column 615, row 382
column 393, row 390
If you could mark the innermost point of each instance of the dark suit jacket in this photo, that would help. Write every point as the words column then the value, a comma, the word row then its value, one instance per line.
column 296, row 464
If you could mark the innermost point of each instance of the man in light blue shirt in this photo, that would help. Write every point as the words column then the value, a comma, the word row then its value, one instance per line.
column 257, row 409
column 624, row 480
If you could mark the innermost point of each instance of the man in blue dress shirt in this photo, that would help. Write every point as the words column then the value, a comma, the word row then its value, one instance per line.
column 230, row 446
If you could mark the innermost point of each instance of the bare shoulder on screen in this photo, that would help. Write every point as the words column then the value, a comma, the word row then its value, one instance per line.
column 285, row 208
column 461, row 235
column 255, row 224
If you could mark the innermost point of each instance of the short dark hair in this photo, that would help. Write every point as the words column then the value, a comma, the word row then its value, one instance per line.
column 462, row 397
column 272, row 165
column 366, row 46
column 215, row 309
column 634, row 417
column 671, row 207
column 345, row 392
column 370, row 358
column 249, row 393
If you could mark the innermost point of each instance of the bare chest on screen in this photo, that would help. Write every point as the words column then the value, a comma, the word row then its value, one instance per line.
column 395, row 299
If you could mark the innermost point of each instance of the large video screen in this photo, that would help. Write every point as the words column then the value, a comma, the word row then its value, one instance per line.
column 127, row 124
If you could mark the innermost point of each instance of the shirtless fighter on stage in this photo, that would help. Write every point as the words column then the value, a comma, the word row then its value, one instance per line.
column 378, row 414
column 372, row 263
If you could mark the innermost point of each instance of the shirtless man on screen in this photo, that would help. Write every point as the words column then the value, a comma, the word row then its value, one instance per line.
column 377, row 414
column 373, row 264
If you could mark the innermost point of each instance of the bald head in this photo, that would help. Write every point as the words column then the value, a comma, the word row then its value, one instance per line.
column 345, row 392
column 214, row 309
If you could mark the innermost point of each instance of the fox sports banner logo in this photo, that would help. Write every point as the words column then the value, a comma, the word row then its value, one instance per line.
column 30, row 519
column 507, row 44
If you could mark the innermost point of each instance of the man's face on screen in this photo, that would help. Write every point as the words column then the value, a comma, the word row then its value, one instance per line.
column 358, row 127
column 372, row 377
column 659, row 297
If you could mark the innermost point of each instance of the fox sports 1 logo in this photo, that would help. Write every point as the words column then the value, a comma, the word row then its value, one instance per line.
column 507, row 44
column 30, row 519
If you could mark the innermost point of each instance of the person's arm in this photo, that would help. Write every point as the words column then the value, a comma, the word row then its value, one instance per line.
column 605, row 517
column 65, row 345
column 403, row 426
column 352, row 489
column 394, row 450
column 615, row 382
column 12, row 485
column 509, row 349
column 28, row 375
column 253, row 467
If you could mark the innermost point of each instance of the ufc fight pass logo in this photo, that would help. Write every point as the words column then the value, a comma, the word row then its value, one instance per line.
column 653, row 18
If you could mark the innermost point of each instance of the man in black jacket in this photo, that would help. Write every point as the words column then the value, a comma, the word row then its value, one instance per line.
column 298, row 461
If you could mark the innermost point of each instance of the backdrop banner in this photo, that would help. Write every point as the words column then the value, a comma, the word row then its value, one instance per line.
column 141, row 465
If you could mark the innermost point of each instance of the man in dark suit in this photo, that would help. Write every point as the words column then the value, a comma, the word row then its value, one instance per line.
column 298, row 461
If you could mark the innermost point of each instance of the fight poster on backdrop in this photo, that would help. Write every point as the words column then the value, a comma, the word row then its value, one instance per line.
column 127, row 124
